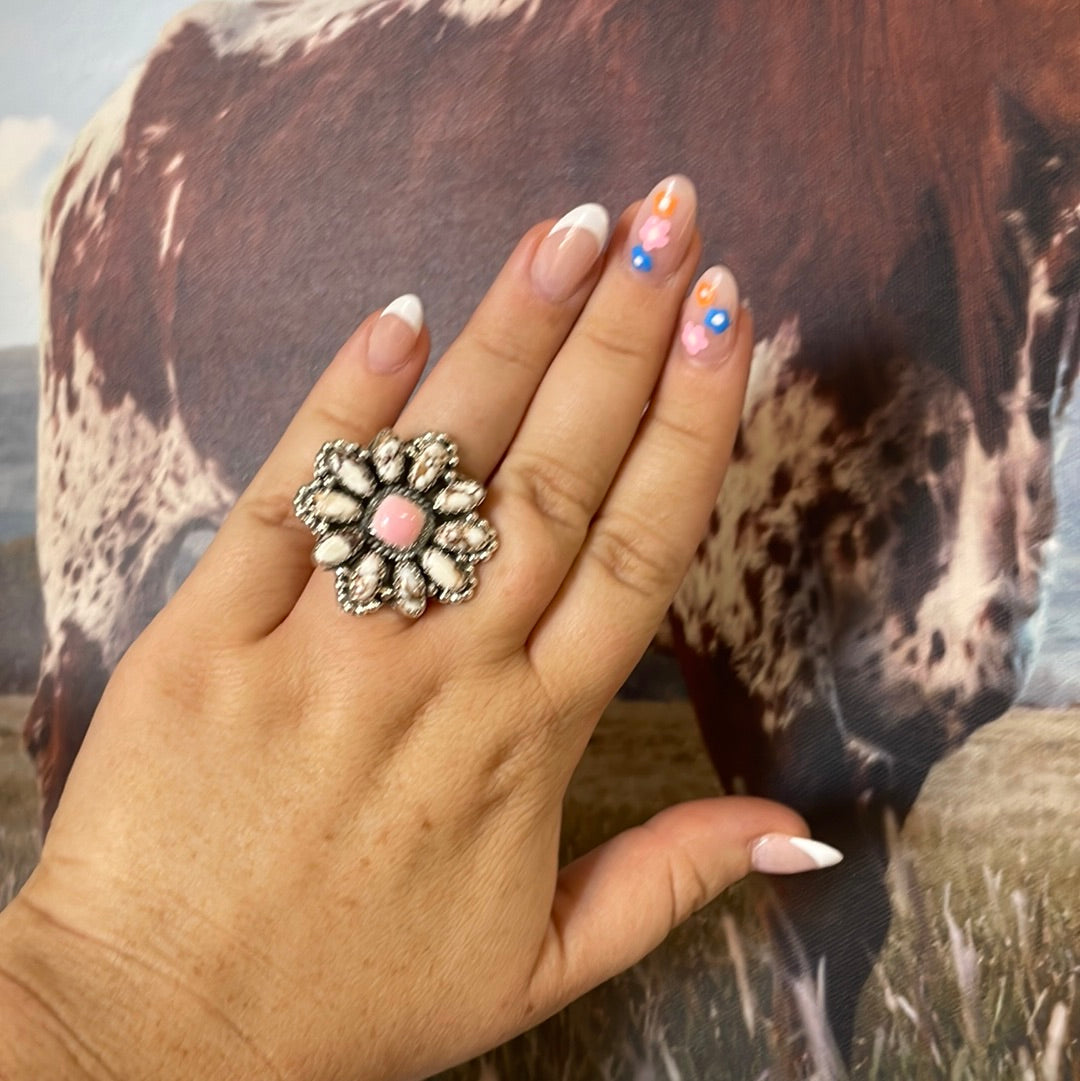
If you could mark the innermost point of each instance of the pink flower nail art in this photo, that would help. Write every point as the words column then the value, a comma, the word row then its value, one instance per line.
column 693, row 338
column 654, row 232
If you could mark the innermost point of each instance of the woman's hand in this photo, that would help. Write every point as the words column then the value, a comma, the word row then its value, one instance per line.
column 303, row 844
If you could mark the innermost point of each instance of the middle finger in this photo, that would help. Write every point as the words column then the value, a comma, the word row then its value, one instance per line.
column 482, row 384
column 588, row 407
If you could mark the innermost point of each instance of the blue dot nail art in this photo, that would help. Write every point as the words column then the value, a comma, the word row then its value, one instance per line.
column 640, row 258
column 717, row 320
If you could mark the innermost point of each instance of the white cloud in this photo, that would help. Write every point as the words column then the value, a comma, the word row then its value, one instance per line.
column 23, row 140
column 30, row 149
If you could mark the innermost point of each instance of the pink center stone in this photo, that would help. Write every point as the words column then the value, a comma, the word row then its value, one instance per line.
column 397, row 521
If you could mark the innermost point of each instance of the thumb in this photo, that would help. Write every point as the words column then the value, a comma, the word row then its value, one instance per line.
column 619, row 901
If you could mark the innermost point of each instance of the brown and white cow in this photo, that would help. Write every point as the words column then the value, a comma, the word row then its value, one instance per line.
column 897, row 184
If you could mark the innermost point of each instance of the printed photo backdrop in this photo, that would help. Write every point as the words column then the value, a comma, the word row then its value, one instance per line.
column 882, row 625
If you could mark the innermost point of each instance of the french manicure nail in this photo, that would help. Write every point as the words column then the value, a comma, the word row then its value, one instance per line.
column 709, row 316
column 569, row 251
column 395, row 333
column 662, row 228
column 779, row 854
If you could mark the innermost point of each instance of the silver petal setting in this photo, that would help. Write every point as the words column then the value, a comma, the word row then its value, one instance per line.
column 355, row 474
column 388, row 455
column 333, row 549
column 432, row 455
column 410, row 590
column 459, row 496
column 469, row 537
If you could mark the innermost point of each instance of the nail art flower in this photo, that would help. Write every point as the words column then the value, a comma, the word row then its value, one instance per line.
column 694, row 338
column 654, row 232
column 665, row 203
column 718, row 320
column 395, row 522
column 705, row 292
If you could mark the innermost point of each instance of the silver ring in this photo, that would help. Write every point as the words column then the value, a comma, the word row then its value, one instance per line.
column 395, row 522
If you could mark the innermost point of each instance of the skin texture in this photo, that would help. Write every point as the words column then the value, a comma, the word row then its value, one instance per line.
column 302, row 844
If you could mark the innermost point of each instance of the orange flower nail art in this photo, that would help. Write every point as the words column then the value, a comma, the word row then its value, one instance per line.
column 665, row 203
column 704, row 293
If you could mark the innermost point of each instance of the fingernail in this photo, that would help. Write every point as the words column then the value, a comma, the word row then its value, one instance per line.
column 568, row 252
column 662, row 228
column 709, row 316
column 778, row 854
column 394, row 334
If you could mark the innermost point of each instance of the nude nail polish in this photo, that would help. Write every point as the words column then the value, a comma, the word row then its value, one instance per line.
column 662, row 228
column 569, row 251
column 779, row 854
column 394, row 334
column 709, row 317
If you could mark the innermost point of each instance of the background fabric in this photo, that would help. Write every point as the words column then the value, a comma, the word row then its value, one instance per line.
column 881, row 627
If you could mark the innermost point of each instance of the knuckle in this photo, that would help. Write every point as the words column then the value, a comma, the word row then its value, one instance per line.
column 331, row 419
column 688, row 885
column 610, row 343
column 154, row 671
column 689, row 889
column 270, row 509
column 558, row 493
column 502, row 350
column 685, row 437
column 510, row 769
column 636, row 556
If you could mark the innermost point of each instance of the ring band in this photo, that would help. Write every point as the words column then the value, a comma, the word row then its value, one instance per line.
column 395, row 522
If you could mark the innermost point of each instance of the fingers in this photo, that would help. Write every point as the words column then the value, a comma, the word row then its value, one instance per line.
column 590, row 397
column 586, row 411
column 260, row 560
column 482, row 385
column 656, row 512
column 618, row 902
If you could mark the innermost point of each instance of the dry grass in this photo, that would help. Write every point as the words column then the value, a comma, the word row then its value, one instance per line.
column 19, row 844
column 978, row 980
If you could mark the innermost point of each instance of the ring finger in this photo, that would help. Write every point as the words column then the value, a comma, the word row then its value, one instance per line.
column 584, row 416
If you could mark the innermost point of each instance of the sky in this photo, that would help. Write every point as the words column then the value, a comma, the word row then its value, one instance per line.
column 59, row 60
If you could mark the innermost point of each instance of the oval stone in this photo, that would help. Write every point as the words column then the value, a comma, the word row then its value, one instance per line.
column 477, row 534
column 366, row 579
column 443, row 570
column 387, row 455
column 355, row 476
column 459, row 496
column 334, row 505
column 429, row 463
column 467, row 535
column 410, row 589
column 333, row 549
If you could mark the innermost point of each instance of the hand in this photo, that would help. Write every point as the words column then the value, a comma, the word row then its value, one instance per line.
column 303, row 844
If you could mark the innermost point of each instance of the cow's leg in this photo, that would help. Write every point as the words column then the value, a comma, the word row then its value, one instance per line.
column 71, row 684
column 839, row 918
column 841, row 915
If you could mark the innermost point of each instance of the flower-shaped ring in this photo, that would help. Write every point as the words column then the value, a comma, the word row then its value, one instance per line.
column 395, row 522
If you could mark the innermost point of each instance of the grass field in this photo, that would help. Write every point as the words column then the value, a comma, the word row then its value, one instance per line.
column 18, row 800
column 978, row 981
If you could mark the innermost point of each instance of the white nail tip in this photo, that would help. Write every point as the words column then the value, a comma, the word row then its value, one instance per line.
column 408, row 309
column 591, row 217
column 822, row 854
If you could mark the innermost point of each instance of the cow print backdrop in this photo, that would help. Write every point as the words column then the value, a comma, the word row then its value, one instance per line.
column 897, row 185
